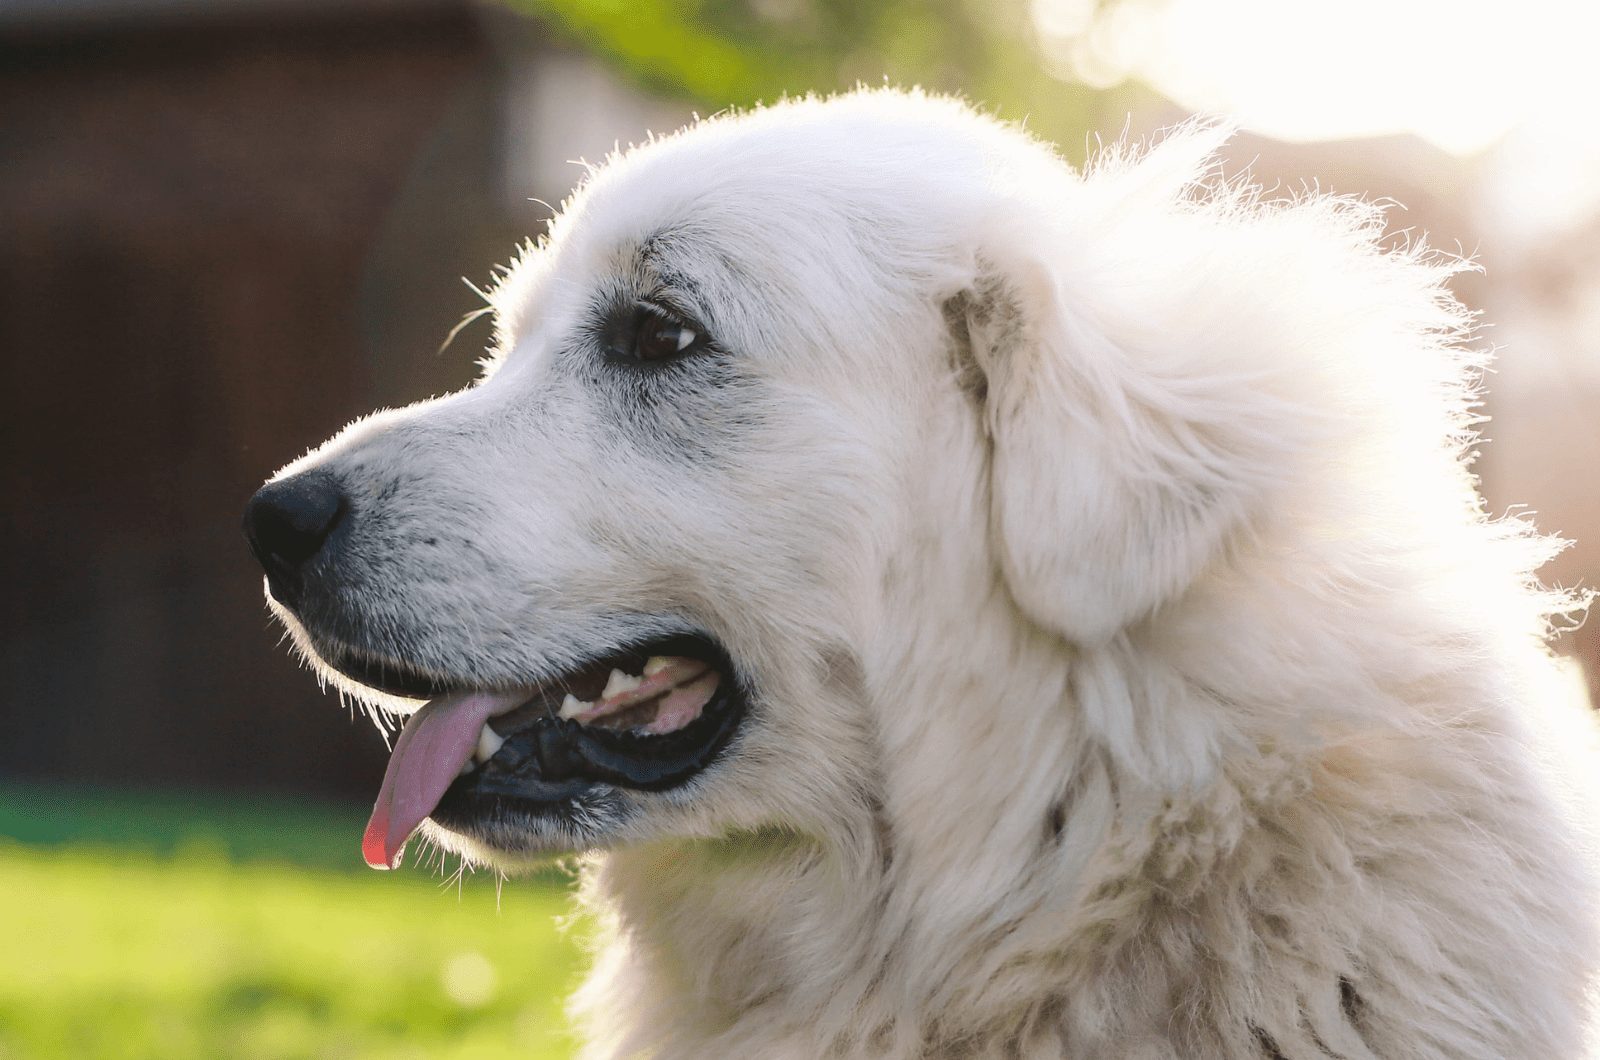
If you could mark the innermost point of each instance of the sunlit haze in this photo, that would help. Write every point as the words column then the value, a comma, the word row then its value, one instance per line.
column 1458, row 73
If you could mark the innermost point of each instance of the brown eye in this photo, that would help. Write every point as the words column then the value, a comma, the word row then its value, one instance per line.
column 660, row 338
column 643, row 334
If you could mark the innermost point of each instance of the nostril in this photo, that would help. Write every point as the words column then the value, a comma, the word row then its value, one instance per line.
column 287, row 522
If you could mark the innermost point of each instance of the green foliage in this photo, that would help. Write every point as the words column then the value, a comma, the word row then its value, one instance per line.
column 740, row 52
column 282, row 828
column 212, row 946
column 302, row 831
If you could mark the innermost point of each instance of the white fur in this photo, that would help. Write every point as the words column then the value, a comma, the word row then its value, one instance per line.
column 1138, row 673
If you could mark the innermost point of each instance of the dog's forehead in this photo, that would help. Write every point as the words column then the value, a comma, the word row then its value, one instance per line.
column 783, row 216
column 781, row 180
column 706, row 198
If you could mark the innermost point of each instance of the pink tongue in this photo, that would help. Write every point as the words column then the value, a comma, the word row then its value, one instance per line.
column 435, row 743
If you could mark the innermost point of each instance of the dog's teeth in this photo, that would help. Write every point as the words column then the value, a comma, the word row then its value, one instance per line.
column 620, row 682
column 468, row 766
column 572, row 706
column 655, row 664
column 489, row 742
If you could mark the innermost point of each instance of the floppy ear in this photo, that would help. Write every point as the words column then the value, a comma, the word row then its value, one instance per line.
column 1124, row 457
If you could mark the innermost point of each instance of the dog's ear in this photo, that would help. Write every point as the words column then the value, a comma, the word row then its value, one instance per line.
column 1124, row 459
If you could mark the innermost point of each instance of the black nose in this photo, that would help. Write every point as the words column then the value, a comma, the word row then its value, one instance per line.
column 288, row 521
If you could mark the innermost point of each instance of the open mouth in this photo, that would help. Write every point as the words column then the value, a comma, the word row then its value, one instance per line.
column 647, row 718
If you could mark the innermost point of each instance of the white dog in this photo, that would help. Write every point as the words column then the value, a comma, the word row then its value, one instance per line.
column 971, row 609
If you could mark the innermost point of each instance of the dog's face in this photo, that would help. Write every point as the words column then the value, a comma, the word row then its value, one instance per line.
column 631, row 568
column 769, row 389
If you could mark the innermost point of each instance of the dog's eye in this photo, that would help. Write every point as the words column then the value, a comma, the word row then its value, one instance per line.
column 653, row 338
column 660, row 338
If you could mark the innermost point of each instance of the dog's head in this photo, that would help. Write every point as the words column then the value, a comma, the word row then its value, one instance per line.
column 783, row 409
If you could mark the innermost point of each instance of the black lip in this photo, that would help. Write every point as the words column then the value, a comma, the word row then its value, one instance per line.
column 547, row 763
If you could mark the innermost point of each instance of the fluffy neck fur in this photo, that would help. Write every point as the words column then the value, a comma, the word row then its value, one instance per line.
column 1186, row 842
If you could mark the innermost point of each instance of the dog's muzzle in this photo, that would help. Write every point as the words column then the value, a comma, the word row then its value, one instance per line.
column 648, row 712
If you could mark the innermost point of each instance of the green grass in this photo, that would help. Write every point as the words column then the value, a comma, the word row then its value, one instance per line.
column 175, row 927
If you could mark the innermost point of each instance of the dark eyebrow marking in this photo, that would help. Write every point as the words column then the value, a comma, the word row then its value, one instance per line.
column 663, row 281
column 674, row 283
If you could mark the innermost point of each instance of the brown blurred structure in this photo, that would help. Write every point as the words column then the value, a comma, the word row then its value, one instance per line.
column 214, row 231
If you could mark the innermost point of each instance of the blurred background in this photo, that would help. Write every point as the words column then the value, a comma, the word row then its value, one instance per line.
column 229, row 226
